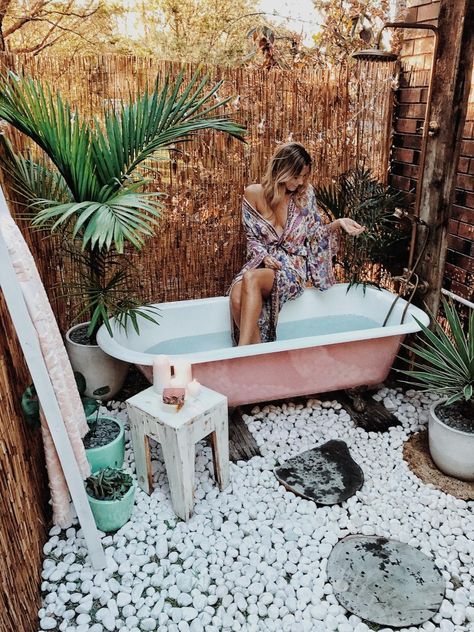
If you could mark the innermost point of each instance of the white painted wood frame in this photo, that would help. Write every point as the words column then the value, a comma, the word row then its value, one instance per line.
column 30, row 345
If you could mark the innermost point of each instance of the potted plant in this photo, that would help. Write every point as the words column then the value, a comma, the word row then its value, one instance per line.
column 445, row 366
column 111, row 494
column 88, row 182
column 30, row 402
column 105, row 442
column 357, row 194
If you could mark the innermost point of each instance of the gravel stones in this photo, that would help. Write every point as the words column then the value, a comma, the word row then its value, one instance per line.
column 101, row 433
column 256, row 535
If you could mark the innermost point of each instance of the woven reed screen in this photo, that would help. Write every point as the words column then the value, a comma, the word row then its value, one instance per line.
column 23, row 492
column 342, row 117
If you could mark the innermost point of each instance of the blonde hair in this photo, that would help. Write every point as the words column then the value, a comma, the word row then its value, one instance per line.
column 287, row 162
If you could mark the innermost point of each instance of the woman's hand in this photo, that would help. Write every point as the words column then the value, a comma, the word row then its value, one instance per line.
column 350, row 226
column 271, row 262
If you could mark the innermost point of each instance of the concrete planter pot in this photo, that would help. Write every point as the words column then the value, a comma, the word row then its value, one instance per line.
column 104, row 375
column 452, row 450
column 110, row 515
column 111, row 454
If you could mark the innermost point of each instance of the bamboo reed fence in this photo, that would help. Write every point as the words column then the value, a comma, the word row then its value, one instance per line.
column 23, row 492
column 343, row 117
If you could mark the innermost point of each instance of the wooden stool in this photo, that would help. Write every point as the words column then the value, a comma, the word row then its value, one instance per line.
column 178, row 434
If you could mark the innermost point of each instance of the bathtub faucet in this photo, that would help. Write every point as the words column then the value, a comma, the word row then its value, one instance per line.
column 409, row 273
column 419, row 285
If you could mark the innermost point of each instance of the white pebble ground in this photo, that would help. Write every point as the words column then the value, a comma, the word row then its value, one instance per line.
column 254, row 556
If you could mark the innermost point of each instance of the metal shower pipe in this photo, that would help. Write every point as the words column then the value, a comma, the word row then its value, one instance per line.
column 430, row 128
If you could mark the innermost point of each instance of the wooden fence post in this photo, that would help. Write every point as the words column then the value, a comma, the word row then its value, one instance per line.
column 451, row 85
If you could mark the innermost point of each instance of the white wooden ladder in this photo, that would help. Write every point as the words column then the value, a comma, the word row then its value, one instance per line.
column 30, row 345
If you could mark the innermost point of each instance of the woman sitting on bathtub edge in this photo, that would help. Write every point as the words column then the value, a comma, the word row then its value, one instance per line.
column 287, row 244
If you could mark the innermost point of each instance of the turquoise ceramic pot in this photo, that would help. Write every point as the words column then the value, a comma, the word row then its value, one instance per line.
column 110, row 515
column 110, row 455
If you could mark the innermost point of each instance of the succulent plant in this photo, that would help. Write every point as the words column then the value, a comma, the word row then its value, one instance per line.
column 108, row 484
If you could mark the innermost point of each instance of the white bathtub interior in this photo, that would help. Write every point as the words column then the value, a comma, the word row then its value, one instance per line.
column 200, row 329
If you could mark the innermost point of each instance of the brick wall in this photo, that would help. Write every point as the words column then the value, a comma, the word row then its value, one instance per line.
column 409, row 119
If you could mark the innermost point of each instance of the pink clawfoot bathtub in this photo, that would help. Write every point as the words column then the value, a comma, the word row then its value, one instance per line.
column 325, row 341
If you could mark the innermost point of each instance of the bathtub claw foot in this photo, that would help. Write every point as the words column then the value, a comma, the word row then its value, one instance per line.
column 356, row 396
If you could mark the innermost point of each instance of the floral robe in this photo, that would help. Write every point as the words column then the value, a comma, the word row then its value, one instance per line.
column 304, row 249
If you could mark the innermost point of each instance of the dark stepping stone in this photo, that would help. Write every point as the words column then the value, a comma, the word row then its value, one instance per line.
column 385, row 581
column 327, row 474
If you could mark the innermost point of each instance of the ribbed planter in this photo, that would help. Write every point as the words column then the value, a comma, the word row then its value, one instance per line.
column 452, row 450
column 110, row 515
column 110, row 455
column 104, row 375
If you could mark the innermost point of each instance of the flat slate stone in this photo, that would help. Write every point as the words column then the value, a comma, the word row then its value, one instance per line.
column 326, row 474
column 385, row 581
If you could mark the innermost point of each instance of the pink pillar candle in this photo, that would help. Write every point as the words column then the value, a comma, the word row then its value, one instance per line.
column 161, row 373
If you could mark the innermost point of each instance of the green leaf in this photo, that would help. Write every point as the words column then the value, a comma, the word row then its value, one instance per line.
column 454, row 398
column 108, row 484
column 357, row 194
column 103, row 390
column 467, row 392
column 80, row 382
column 90, row 405
column 30, row 406
column 448, row 366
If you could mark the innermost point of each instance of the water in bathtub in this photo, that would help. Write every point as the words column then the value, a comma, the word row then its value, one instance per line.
column 306, row 327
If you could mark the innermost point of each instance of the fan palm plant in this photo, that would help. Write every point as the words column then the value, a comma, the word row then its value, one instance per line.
column 445, row 362
column 89, row 179
column 357, row 194
column 444, row 365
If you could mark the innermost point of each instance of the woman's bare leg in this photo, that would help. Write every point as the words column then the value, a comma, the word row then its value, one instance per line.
column 256, row 285
column 235, row 302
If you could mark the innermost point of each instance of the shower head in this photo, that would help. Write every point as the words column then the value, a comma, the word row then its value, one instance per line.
column 374, row 54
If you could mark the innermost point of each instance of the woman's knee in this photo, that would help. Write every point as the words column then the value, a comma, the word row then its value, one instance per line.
column 250, row 279
column 257, row 278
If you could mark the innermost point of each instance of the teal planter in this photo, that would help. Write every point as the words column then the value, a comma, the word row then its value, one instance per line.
column 110, row 455
column 110, row 515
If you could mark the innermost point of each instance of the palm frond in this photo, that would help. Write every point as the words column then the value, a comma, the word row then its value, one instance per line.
column 49, row 121
column 156, row 120
column 127, row 216
column 32, row 180
column 130, row 311
column 357, row 194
